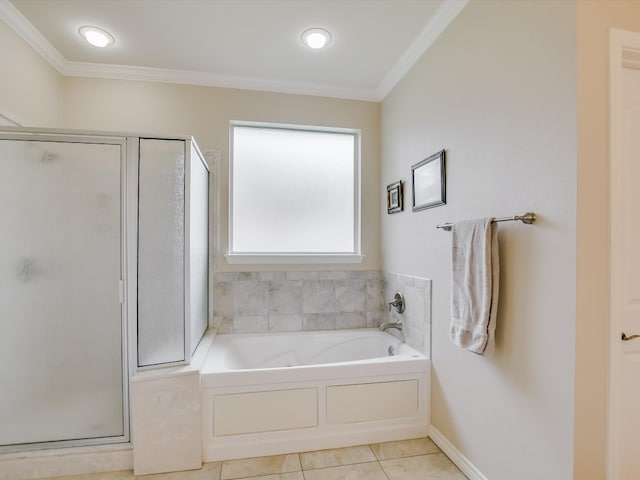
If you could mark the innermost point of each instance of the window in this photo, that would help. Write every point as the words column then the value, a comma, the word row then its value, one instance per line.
column 295, row 195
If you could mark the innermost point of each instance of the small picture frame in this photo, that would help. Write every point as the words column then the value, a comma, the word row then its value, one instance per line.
column 394, row 197
column 428, row 182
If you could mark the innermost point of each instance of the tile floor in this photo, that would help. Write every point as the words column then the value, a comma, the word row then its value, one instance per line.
column 418, row 459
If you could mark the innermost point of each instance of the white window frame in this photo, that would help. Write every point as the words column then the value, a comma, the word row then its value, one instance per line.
column 299, row 258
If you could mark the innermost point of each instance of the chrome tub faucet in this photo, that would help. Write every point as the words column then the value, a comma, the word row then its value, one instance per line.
column 386, row 326
column 398, row 304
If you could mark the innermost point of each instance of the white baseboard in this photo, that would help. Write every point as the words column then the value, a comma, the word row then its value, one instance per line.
column 462, row 462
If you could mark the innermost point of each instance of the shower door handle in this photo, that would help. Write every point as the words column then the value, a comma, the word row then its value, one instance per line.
column 624, row 338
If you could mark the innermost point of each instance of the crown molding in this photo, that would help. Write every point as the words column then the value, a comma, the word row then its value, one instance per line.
column 29, row 34
column 208, row 79
column 447, row 12
column 436, row 25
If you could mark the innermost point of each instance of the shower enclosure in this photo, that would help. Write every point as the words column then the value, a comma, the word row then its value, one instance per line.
column 103, row 270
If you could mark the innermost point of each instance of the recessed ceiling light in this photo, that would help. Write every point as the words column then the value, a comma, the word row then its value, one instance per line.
column 316, row 38
column 96, row 36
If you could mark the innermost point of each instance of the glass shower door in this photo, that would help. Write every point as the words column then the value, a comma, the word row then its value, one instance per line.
column 61, row 322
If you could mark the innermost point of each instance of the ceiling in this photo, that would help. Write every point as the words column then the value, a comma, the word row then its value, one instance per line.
column 252, row 44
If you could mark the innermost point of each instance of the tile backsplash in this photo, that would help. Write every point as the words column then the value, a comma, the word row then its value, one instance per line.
column 416, row 319
column 258, row 302
column 292, row 301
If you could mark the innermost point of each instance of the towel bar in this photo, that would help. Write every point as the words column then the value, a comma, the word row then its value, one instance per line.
column 528, row 218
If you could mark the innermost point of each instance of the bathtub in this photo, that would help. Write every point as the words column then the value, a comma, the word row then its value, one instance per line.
column 274, row 393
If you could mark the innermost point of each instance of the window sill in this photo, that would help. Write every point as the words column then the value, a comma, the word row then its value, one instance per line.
column 272, row 259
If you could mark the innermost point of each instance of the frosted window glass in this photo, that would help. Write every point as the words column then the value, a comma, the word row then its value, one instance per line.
column 199, row 247
column 161, row 252
column 294, row 191
column 60, row 315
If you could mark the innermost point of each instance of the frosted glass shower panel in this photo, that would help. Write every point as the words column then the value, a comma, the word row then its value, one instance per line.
column 61, row 351
column 198, row 246
column 161, row 252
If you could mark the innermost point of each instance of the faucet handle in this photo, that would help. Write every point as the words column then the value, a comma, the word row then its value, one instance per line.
column 397, row 303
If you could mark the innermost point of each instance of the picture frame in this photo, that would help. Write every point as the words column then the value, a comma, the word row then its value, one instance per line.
column 428, row 181
column 394, row 197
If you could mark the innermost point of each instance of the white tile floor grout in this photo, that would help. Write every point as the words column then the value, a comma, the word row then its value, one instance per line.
column 417, row 459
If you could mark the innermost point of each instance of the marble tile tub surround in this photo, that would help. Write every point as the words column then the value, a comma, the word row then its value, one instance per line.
column 416, row 318
column 258, row 302
column 255, row 302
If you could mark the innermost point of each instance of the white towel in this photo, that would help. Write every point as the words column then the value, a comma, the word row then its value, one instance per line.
column 474, row 284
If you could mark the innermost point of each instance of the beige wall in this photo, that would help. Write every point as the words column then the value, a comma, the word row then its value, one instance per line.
column 594, row 18
column 498, row 91
column 30, row 88
column 205, row 113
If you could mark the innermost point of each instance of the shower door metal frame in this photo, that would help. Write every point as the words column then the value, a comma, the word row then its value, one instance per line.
column 127, row 283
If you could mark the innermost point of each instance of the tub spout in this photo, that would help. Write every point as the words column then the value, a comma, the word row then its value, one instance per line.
column 386, row 326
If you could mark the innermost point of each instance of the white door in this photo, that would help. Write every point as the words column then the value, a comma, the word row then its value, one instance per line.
column 624, row 405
